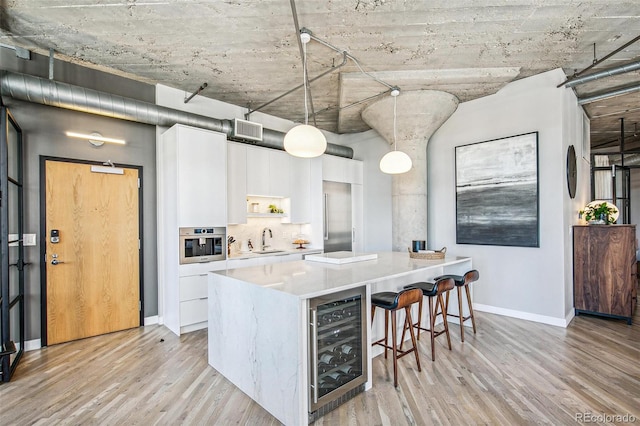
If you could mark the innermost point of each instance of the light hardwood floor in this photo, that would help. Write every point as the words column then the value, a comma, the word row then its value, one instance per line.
column 512, row 372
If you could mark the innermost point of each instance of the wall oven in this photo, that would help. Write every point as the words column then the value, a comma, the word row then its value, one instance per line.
column 337, row 350
column 202, row 244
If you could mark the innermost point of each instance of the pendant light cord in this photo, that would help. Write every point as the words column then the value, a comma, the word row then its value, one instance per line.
column 395, row 142
column 304, row 76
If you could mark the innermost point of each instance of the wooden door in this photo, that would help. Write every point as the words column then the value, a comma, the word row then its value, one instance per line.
column 92, row 272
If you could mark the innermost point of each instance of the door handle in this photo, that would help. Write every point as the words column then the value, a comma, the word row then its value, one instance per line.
column 326, row 217
column 56, row 261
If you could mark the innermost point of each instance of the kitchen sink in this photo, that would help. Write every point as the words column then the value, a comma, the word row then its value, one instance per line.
column 269, row 251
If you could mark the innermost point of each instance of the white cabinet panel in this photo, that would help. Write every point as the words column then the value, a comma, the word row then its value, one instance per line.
column 192, row 192
column 268, row 172
column 279, row 163
column 355, row 171
column 289, row 257
column 357, row 218
column 236, row 183
column 257, row 171
column 193, row 311
column 300, row 178
column 241, row 263
column 338, row 169
column 193, row 287
column 201, row 175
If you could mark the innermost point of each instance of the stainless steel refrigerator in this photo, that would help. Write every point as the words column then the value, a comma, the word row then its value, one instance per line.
column 338, row 231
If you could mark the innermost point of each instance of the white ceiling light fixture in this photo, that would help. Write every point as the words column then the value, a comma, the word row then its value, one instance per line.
column 95, row 138
column 395, row 162
column 305, row 140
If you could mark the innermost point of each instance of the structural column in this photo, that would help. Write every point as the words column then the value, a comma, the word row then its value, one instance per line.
column 419, row 114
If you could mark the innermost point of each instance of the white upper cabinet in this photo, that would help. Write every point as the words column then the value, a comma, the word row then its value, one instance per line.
column 279, row 169
column 257, row 171
column 300, row 180
column 338, row 169
column 236, row 183
column 267, row 172
column 195, row 162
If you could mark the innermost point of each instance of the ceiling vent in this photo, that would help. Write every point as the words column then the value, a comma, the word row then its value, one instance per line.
column 244, row 129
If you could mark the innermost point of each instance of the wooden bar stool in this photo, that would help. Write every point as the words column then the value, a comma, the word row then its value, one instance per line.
column 460, row 282
column 392, row 302
column 433, row 290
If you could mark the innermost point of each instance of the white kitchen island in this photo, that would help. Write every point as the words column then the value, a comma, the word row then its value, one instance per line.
column 258, row 320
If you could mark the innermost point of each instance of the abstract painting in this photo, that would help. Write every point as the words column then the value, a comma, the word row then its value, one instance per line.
column 497, row 192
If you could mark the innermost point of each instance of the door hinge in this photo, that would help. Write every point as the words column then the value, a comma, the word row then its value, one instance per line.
column 138, row 183
column 139, row 244
column 139, row 305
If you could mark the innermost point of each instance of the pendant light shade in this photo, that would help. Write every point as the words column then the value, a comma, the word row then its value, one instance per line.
column 395, row 162
column 305, row 140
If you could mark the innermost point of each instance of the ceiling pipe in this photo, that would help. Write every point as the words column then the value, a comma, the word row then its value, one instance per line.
column 599, row 61
column 605, row 73
column 612, row 94
column 34, row 89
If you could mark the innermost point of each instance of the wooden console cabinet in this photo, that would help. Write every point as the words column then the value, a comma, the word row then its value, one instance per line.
column 604, row 270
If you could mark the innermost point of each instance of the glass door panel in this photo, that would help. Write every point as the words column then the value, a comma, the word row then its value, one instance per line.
column 622, row 192
column 11, row 245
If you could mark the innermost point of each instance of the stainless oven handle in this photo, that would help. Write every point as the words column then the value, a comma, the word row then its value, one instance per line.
column 314, row 355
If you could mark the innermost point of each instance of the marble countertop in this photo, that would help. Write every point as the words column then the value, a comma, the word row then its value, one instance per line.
column 306, row 279
column 281, row 252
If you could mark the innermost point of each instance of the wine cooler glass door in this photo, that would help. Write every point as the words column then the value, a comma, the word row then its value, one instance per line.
column 337, row 349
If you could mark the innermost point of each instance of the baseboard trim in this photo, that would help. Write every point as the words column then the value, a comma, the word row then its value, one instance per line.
column 151, row 320
column 558, row 322
column 569, row 317
column 32, row 345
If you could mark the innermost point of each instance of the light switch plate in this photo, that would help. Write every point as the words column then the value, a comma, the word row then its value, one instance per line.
column 29, row 239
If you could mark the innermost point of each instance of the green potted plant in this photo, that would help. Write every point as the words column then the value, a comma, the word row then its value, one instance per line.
column 600, row 212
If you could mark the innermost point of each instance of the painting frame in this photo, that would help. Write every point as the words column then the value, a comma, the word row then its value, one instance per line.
column 497, row 192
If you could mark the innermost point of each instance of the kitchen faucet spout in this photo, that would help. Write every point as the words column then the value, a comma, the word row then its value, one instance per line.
column 264, row 231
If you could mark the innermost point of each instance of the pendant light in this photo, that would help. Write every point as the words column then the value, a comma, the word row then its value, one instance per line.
column 304, row 140
column 395, row 162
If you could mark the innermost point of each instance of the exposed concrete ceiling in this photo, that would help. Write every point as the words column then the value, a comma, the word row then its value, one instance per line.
column 248, row 54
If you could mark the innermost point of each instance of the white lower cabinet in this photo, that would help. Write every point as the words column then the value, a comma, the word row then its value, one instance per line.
column 264, row 260
column 193, row 302
column 193, row 315
column 188, row 311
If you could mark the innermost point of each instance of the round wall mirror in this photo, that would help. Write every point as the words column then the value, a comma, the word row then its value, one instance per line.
column 572, row 172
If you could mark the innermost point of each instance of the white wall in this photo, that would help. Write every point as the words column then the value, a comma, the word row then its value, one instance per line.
column 530, row 283
column 369, row 147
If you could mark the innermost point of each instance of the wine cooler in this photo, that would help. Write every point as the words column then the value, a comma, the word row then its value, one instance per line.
column 337, row 349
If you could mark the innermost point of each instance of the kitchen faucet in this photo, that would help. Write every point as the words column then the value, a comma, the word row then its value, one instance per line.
column 264, row 246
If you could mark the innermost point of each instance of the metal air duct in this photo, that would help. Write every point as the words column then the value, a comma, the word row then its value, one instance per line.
column 605, row 73
column 63, row 95
column 612, row 94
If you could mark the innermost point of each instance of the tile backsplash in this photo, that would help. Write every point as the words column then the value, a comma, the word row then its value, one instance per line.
column 283, row 234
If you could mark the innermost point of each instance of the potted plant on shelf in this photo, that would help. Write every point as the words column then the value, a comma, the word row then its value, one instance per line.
column 600, row 212
column 275, row 209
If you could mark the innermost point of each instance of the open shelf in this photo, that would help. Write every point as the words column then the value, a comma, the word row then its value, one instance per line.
column 266, row 215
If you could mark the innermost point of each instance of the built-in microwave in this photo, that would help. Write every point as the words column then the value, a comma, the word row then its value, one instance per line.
column 204, row 244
